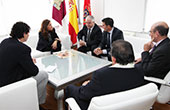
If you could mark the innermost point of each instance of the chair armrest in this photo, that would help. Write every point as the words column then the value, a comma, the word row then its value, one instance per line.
column 36, row 54
column 157, row 80
column 72, row 104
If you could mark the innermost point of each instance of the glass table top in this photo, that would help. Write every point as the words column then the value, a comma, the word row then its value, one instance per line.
column 75, row 65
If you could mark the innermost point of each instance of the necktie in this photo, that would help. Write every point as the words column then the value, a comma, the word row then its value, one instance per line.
column 154, row 47
column 88, row 35
column 108, row 39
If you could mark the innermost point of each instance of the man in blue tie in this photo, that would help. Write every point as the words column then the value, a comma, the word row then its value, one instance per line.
column 110, row 34
column 155, row 60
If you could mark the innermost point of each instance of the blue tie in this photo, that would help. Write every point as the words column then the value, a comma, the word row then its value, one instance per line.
column 154, row 47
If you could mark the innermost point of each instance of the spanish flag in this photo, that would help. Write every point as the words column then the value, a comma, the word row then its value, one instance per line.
column 73, row 22
column 87, row 9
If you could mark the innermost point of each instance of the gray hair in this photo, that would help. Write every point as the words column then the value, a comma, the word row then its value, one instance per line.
column 90, row 17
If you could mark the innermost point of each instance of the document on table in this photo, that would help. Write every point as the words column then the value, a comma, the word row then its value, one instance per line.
column 50, row 68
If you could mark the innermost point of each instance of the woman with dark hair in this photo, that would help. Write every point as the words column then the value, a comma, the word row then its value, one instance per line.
column 48, row 39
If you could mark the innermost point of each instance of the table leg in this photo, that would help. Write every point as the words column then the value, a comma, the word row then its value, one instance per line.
column 59, row 95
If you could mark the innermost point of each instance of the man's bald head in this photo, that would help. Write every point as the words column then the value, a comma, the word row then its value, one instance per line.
column 161, row 23
column 161, row 27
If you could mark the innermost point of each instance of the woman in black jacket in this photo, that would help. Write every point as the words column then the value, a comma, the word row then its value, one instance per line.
column 48, row 39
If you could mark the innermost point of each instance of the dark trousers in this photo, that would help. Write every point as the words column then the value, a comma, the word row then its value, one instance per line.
column 73, row 91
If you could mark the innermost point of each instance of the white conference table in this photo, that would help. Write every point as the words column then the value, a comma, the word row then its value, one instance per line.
column 63, row 71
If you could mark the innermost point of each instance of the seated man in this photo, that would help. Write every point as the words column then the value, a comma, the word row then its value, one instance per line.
column 16, row 63
column 110, row 34
column 90, row 36
column 155, row 59
column 120, row 76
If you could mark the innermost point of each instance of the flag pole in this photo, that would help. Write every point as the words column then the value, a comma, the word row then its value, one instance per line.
column 78, row 6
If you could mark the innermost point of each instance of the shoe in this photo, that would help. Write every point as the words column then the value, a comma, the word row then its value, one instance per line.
column 41, row 108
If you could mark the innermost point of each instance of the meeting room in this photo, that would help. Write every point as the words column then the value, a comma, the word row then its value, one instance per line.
column 84, row 55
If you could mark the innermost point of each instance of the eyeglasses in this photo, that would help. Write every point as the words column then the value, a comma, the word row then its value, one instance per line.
column 151, row 32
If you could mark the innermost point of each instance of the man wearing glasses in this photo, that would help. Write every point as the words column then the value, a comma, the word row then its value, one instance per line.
column 155, row 60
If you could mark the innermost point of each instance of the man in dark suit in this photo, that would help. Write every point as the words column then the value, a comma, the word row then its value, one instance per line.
column 90, row 36
column 110, row 34
column 120, row 76
column 16, row 63
column 155, row 60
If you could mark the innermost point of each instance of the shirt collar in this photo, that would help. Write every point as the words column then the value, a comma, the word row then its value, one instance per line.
column 91, row 29
column 156, row 44
column 129, row 65
column 111, row 31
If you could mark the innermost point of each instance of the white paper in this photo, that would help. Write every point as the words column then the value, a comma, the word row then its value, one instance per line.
column 50, row 68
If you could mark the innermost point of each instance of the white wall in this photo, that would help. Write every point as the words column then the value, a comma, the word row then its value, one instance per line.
column 3, row 30
column 127, row 14
column 97, row 7
column 33, row 12
column 157, row 10
column 96, row 10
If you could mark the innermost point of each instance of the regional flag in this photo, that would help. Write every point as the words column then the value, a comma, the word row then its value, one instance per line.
column 87, row 9
column 73, row 22
column 59, row 10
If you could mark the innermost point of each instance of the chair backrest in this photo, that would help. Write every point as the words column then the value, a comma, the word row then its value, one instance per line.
column 141, row 98
column 137, row 43
column 164, row 92
column 21, row 95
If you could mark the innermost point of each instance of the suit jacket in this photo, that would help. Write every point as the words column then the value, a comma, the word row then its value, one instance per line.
column 157, row 64
column 45, row 44
column 95, row 36
column 116, row 34
column 105, row 81
column 15, row 62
